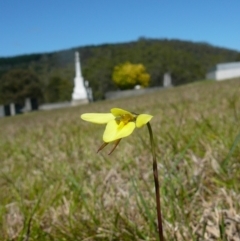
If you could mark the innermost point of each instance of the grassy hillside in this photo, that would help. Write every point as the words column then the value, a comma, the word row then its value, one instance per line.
column 54, row 186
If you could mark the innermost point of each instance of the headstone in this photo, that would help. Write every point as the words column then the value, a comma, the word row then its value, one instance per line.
column 28, row 105
column 12, row 109
column 79, row 95
column 167, row 80
column 89, row 91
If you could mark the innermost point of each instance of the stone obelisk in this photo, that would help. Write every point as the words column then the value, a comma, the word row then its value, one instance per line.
column 79, row 95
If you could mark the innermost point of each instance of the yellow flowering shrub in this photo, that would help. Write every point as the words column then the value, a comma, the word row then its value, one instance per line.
column 128, row 75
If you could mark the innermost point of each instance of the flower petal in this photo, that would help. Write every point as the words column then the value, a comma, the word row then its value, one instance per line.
column 110, row 131
column 114, row 131
column 119, row 112
column 98, row 118
column 143, row 119
column 126, row 130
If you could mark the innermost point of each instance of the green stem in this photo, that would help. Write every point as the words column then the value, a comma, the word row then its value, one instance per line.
column 155, row 175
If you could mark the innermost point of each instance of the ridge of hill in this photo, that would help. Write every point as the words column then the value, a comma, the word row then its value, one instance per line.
column 186, row 61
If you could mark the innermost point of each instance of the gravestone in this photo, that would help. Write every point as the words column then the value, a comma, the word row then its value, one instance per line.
column 5, row 110
column 12, row 109
column 167, row 80
column 79, row 95
column 28, row 106
column 89, row 91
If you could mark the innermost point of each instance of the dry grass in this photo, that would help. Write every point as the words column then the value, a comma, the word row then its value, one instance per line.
column 55, row 187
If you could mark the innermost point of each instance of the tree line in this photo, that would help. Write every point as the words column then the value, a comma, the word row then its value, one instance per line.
column 49, row 76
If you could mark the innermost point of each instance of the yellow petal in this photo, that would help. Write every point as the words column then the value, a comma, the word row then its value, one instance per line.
column 110, row 131
column 114, row 131
column 98, row 118
column 143, row 119
column 119, row 112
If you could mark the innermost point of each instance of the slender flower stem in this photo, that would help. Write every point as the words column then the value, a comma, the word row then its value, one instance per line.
column 155, row 175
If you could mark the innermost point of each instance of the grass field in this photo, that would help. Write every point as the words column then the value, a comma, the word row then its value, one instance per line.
column 54, row 186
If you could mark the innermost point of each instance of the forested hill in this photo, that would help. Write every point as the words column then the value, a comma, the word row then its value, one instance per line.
column 186, row 61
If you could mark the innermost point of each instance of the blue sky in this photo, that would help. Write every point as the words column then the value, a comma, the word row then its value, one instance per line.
column 37, row 26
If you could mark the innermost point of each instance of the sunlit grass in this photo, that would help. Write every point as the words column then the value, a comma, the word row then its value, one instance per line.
column 54, row 186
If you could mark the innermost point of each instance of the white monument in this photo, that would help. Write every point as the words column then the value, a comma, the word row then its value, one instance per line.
column 79, row 95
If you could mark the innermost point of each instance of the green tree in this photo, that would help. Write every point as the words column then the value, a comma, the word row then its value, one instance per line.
column 18, row 84
column 127, row 75
column 58, row 89
column 238, row 57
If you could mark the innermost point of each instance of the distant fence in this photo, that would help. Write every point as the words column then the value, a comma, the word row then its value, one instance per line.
column 128, row 93
column 53, row 106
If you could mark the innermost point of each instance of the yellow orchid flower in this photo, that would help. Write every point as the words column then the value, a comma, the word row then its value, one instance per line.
column 120, row 124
